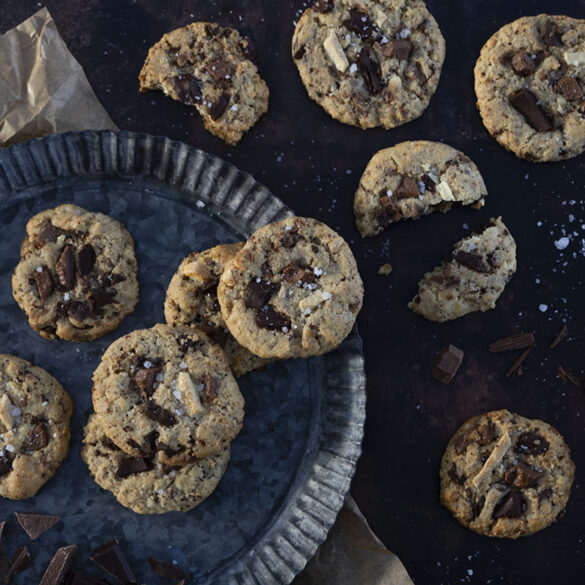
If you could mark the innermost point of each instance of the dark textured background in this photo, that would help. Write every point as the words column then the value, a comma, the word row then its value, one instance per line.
column 313, row 163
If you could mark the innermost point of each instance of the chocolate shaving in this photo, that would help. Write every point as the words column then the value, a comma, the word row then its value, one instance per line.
column 219, row 70
column 38, row 437
column 568, row 376
column 512, row 342
column 468, row 260
column 164, row 569
column 131, row 465
column 323, row 6
column 210, row 386
column 525, row 102
column 159, row 414
column 551, row 35
column 112, row 560
column 398, row 49
column 216, row 109
column 36, row 524
column 257, row 294
column 44, row 283
column 447, row 363
column 188, row 89
column 569, row 88
column 59, row 565
column 521, row 475
column 370, row 71
column 562, row 333
column 408, row 188
column 76, row 578
column 65, row 267
column 516, row 367
column 510, row 506
column 531, row 443
column 48, row 234
column 18, row 563
column 522, row 63
column 270, row 318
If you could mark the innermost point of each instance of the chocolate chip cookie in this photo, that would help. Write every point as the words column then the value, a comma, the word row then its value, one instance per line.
column 167, row 390
column 191, row 301
column 505, row 475
column 529, row 81
column 76, row 279
column 369, row 63
column 412, row 179
column 34, row 427
column 145, row 484
column 471, row 278
column 210, row 67
column 293, row 290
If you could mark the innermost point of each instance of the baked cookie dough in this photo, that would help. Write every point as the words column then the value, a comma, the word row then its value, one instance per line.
column 293, row 290
column 34, row 427
column 529, row 82
column 412, row 179
column 505, row 475
column 210, row 67
column 76, row 279
column 167, row 390
column 472, row 278
column 369, row 63
column 191, row 301
column 146, row 485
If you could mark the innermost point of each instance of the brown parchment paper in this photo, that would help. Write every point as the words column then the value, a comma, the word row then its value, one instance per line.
column 43, row 88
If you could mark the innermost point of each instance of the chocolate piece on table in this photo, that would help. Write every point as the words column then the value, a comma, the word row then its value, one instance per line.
column 36, row 524
column 59, row 565
column 76, row 578
column 525, row 102
column 522, row 63
column 18, row 563
column 562, row 333
column 112, row 560
column 512, row 342
column 516, row 367
column 569, row 88
column 2, row 555
column 568, row 376
column 164, row 569
column 447, row 363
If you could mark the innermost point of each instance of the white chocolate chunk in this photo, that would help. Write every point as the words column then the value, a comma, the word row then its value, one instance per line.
column 335, row 52
column 312, row 301
column 493, row 460
column 6, row 409
column 492, row 498
column 394, row 83
column 198, row 270
column 445, row 191
column 574, row 57
column 190, row 397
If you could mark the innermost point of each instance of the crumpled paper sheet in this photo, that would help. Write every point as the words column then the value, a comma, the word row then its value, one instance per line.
column 43, row 88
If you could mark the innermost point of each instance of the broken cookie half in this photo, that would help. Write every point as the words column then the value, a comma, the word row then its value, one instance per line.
column 471, row 278
column 210, row 67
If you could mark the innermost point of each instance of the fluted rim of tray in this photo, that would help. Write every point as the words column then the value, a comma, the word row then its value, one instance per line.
column 317, row 493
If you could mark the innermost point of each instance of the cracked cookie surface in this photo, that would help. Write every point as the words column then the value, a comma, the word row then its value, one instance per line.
column 146, row 485
column 369, row 63
column 34, row 427
column 530, row 83
column 210, row 67
column 412, row 179
column 472, row 278
column 191, row 301
column 505, row 475
column 168, row 391
column 293, row 290
column 77, row 277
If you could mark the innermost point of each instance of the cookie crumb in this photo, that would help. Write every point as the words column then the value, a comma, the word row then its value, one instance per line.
column 385, row 269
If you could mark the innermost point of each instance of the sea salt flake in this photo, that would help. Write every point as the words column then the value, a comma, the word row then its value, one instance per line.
column 317, row 271
column 66, row 296
column 326, row 295
column 562, row 243
column 183, row 365
column 10, row 448
column 199, row 203
column 39, row 268
column 543, row 308
column 147, row 364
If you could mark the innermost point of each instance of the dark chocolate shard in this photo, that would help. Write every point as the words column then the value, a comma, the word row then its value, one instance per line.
column 5, row 464
column 18, row 563
column 219, row 70
column 48, row 234
column 552, row 35
column 86, row 259
column 38, row 437
column 447, row 363
column 270, row 318
column 144, row 380
column 522, row 63
column 408, row 188
column 521, row 475
column 65, row 268
column 78, row 310
column 36, row 524
column 525, row 102
column 531, row 443
column 76, row 578
column 159, row 414
column 455, row 476
column 512, row 505
column 568, row 376
column 516, row 367
column 468, row 260
column 259, row 292
column 288, row 240
column 512, row 342
column 569, row 88
column 360, row 24
column 59, row 566
column 3, row 562
column 300, row 52
column 210, row 386
column 164, row 569
column 44, row 283
column 112, row 560
column 429, row 184
column 188, row 89
column 101, row 297
column 132, row 465
column 561, row 334
column 297, row 275
column 397, row 49
column 369, row 69
column 216, row 109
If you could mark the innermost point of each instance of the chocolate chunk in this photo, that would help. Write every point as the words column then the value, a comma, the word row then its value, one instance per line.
column 512, row 505
column 370, row 71
column 296, row 274
column 111, row 279
column 323, row 6
column 112, row 560
column 419, row 74
column 249, row 50
column 468, row 260
column 455, row 475
column 270, row 318
column 562, row 333
column 360, row 24
column 5, row 465
column 44, row 283
column 522, row 63
column 65, row 267
column 59, row 565
column 18, row 563
column 210, row 386
column 86, row 259
column 552, row 35
column 388, row 213
column 522, row 475
column 429, row 184
column 531, row 443
column 131, row 465
column 300, row 52
column 164, row 569
column 159, row 414
column 408, row 188
column 144, row 380
column 36, row 524
column 512, row 342
column 48, row 234
column 568, row 376
column 166, row 449
column 482, row 434
column 525, row 102
column 259, row 292
column 76, row 578
column 516, row 367
column 545, row 494
column 78, row 310
column 476, row 506
column 219, row 70
column 101, row 297
column 398, row 49
column 266, row 270
column 38, row 437
column 447, row 363
column 288, row 240
column 216, row 109
column 569, row 88
column 188, row 89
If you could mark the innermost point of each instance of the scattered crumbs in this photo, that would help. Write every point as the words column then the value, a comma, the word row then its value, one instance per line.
column 465, row 226
column 385, row 269
column 543, row 308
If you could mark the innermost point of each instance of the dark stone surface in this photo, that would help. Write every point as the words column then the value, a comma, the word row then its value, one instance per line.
column 313, row 163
